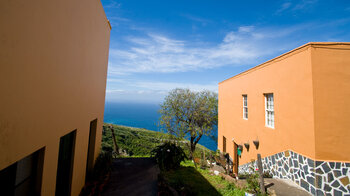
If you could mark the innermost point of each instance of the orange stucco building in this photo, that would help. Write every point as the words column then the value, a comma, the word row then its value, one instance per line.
column 53, row 68
column 296, row 107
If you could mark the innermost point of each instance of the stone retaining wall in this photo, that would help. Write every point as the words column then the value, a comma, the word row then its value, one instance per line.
column 316, row 177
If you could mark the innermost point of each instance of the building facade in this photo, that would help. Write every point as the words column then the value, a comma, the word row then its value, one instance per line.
column 53, row 69
column 293, row 110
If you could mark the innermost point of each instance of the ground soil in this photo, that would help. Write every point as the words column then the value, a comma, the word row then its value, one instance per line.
column 133, row 177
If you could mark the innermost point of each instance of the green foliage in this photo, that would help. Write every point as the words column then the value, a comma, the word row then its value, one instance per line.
column 103, row 165
column 253, row 185
column 168, row 155
column 99, row 175
column 138, row 142
column 189, row 114
column 134, row 141
column 267, row 174
column 188, row 180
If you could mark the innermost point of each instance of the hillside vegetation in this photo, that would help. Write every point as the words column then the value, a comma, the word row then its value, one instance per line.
column 137, row 142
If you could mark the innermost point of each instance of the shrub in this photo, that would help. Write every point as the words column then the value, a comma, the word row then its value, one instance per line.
column 253, row 185
column 103, row 165
column 99, row 175
column 168, row 155
column 267, row 174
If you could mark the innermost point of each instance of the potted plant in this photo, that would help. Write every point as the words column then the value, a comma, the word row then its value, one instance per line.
column 256, row 143
column 246, row 146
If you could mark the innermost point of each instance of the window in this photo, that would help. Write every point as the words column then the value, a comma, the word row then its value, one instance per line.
column 269, row 111
column 245, row 107
column 24, row 176
column 91, row 149
column 65, row 164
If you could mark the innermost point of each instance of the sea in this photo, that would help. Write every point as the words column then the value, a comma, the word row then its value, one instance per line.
column 143, row 115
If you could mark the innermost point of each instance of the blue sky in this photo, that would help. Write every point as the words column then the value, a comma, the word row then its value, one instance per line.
column 156, row 46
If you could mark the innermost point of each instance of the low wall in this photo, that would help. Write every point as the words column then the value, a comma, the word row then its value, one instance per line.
column 316, row 177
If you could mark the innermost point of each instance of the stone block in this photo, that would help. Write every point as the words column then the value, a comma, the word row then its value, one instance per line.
column 318, row 181
column 330, row 177
column 327, row 188
column 301, row 159
column 295, row 163
column 326, row 168
column 310, row 180
column 318, row 163
column 304, row 184
column 319, row 171
column 337, row 193
column 310, row 162
column 319, row 192
column 306, row 169
column 337, row 165
column 343, row 189
column 335, row 184
column 332, row 164
column 286, row 153
column 336, row 173
column 312, row 190
column 344, row 180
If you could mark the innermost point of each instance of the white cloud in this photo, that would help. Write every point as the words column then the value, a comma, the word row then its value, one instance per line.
column 111, row 4
column 159, row 53
column 245, row 29
column 304, row 4
column 202, row 21
column 301, row 5
column 284, row 7
column 127, row 84
column 149, row 91
column 167, row 86
column 114, row 91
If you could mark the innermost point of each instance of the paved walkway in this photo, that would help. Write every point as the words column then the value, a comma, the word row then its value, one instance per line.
column 285, row 187
column 133, row 176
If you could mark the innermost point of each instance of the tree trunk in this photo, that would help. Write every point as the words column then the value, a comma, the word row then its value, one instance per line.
column 193, row 148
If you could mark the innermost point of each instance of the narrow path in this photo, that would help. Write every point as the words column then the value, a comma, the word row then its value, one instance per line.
column 133, row 176
column 282, row 187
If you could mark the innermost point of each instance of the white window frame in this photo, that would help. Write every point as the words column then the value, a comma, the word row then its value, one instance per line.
column 269, row 110
column 245, row 106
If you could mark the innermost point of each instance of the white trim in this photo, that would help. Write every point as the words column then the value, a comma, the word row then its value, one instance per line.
column 269, row 110
column 245, row 106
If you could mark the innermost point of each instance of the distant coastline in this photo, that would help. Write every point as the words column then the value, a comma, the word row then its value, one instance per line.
column 141, row 115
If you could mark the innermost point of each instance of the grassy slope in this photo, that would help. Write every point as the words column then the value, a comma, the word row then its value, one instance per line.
column 199, row 181
column 139, row 142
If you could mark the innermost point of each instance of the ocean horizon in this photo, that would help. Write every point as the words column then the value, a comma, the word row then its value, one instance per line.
column 142, row 115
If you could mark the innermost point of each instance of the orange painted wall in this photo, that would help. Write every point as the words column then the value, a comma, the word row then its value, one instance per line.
column 289, row 78
column 331, row 81
column 53, row 68
column 311, row 87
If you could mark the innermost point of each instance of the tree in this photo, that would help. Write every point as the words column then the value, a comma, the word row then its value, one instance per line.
column 188, row 114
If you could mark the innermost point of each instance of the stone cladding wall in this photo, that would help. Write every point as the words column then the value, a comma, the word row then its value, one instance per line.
column 316, row 177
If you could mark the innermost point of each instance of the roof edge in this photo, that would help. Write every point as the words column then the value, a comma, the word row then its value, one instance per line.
column 309, row 44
